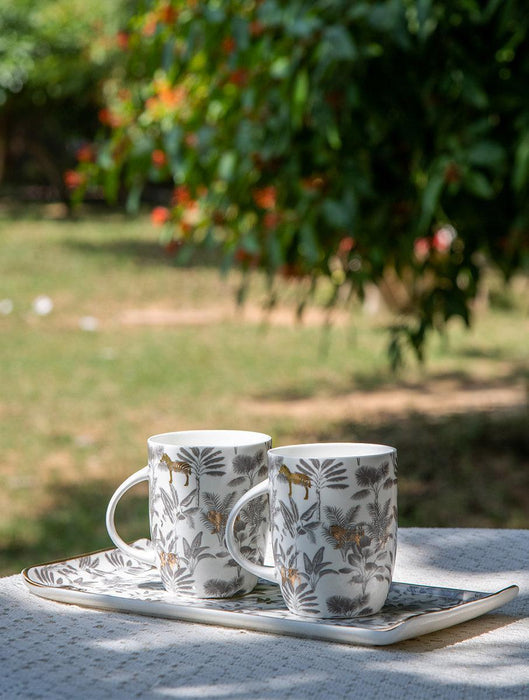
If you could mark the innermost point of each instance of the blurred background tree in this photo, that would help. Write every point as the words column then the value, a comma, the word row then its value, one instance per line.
column 335, row 143
column 382, row 142
column 53, row 57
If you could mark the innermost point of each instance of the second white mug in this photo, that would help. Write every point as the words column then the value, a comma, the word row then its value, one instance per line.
column 333, row 517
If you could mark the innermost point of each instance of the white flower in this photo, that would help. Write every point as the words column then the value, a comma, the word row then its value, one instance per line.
column 6, row 307
column 42, row 305
column 88, row 323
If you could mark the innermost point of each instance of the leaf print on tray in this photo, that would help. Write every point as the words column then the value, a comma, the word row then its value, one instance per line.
column 140, row 591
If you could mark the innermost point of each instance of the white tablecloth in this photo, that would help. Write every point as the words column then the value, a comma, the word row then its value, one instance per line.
column 52, row 650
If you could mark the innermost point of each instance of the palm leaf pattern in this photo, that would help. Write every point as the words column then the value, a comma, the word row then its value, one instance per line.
column 248, row 468
column 194, row 552
column 326, row 473
column 298, row 595
column 373, row 481
column 342, row 529
column 314, row 569
column 176, row 510
column 219, row 588
column 297, row 524
column 300, row 599
column 215, row 512
column 252, row 523
column 343, row 606
column 155, row 453
column 381, row 520
column 177, row 579
column 365, row 563
column 203, row 460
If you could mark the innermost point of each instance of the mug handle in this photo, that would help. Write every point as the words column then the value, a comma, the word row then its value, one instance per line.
column 267, row 572
column 149, row 557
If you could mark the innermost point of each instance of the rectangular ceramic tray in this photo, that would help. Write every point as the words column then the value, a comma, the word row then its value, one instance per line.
column 109, row 580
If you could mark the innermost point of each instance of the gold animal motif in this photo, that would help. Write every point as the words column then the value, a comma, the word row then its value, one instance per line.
column 295, row 478
column 345, row 536
column 289, row 574
column 176, row 466
column 217, row 519
column 169, row 559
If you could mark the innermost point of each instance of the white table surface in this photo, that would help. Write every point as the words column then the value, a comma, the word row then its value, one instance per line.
column 52, row 650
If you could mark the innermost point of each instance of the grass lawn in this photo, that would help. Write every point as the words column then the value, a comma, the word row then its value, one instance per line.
column 135, row 346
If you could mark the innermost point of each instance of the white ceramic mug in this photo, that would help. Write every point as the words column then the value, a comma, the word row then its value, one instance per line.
column 195, row 477
column 333, row 515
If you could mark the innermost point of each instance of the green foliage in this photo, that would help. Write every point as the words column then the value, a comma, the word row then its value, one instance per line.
column 383, row 142
column 53, row 56
column 45, row 46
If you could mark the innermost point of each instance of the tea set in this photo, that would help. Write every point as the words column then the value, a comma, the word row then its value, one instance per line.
column 223, row 504
column 330, row 510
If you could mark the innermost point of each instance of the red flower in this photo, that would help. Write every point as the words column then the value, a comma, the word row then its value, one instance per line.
column 228, row 45
column 167, row 14
column 158, row 158
column 73, row 179
column 256, row 28
column 149, row 28
column 108, row 118
column 271, row 220
column 346, row 245
column 182, row 195
column 173, row 96
column 245, row 258
column 173, row 247
column 443, row 238
column 85, row 154
column 421, row 248
column 238, row 77
column 122, row 40
column 160, row 216
column 191, row 140
column 265, row 197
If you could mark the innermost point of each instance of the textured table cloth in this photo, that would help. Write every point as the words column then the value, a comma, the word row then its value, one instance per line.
column 52, row 650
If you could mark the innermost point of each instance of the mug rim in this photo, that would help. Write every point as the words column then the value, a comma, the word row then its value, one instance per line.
column 332, row 450
column 210, row 438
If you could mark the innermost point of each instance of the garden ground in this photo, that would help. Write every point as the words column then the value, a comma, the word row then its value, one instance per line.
column 134, row 345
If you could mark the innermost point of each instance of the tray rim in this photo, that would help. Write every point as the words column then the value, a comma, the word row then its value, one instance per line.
column 416, row 625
